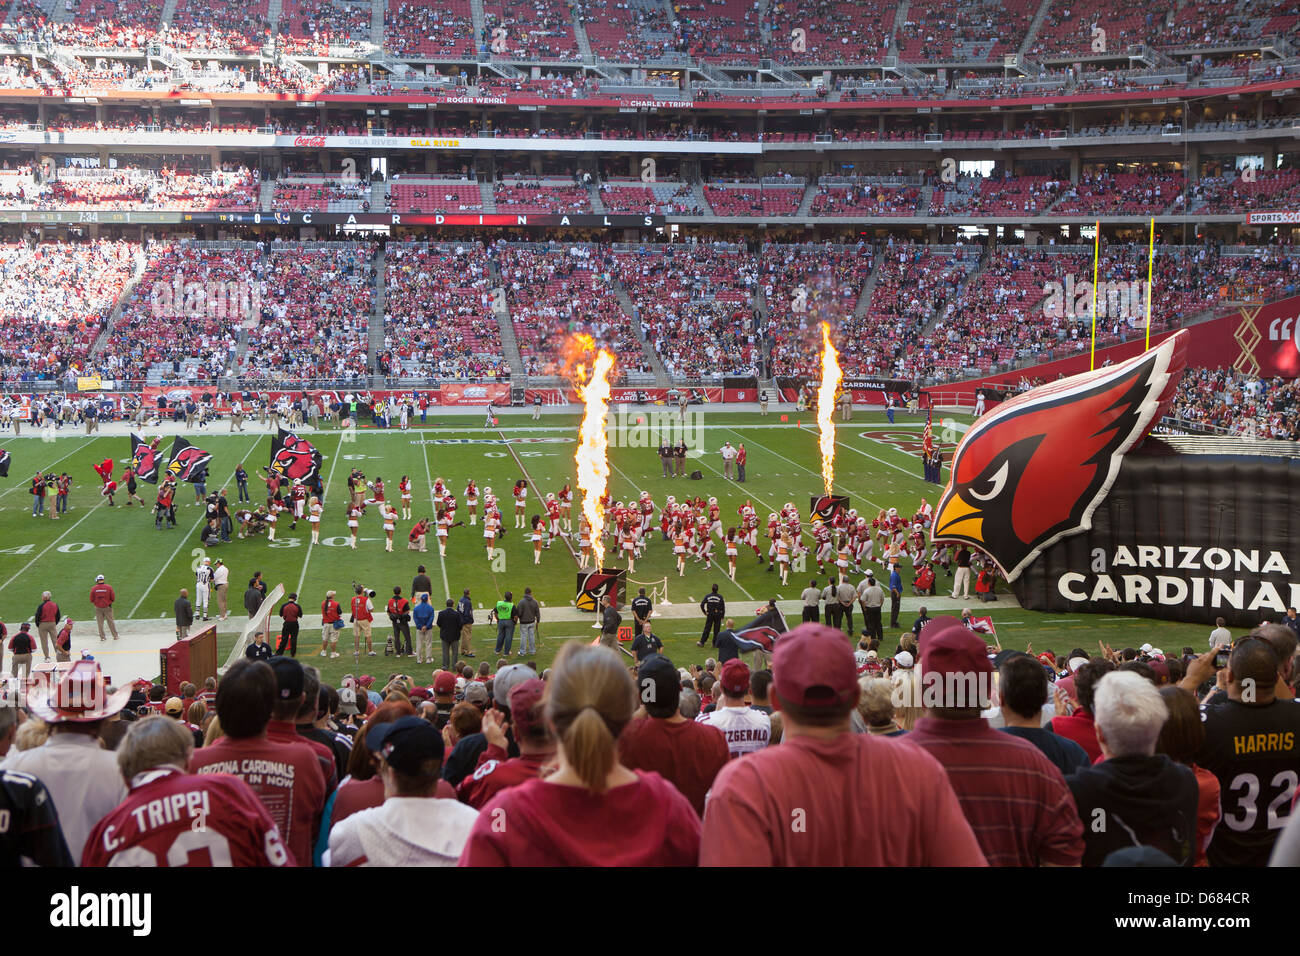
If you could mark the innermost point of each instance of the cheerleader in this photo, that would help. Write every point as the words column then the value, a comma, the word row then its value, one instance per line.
column 354, row 521
column 404, row 486
column 520, row 494
column 566, row 507
column 731, row 549
column 449, row 509
column 627, row 539
column 584, row 542
column 441, row 530
column 471, row 502
column 679, row 548
column 491, row 519
column 552, row 519
column 783, row 547
column 272, row 516
column 389, row 514
column 440, row 495
column 842, row 556
column 314, row 510
column 377, row 486
column 535, row 535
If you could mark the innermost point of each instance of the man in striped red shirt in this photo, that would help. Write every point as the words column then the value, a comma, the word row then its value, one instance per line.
column 1014, row 798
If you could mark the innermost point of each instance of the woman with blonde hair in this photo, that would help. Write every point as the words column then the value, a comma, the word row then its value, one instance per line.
column 592, row 811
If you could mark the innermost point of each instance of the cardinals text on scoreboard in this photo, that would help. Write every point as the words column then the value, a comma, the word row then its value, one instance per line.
column 1228, row 579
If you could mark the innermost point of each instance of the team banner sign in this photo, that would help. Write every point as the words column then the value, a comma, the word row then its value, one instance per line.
column 1064, row 489
column 188, row 462
column 294, row 458
column 827, row 507
column 143, row 459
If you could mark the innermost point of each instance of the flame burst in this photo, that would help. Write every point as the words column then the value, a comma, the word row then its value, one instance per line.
column 592, row 457
column 832, row 376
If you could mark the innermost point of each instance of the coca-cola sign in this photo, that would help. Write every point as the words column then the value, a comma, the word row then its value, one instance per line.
column 312, row 142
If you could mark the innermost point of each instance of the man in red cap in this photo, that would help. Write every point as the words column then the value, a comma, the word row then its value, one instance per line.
column 787, row 806
column 82, row 777
column 1014, row 797
column 747, row 730
column 498, row 771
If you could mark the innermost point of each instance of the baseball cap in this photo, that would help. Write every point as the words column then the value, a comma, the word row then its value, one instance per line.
column 476, row 693
column 405, row 743
column 949, row 647
column 904, row 659
column 348, row 701
column 506, row 679
column 524, row 712
column 735, row 677
column 288, row 677
column 444, row 683
column 659, row 673
column 814, row 667
column 173, row 706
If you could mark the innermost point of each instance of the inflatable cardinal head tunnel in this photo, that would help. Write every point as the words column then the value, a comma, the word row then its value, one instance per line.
column 1083, row 511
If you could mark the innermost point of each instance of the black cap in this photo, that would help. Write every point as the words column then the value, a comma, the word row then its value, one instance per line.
column 659, row 673
column 405, row 743
column 288, row 677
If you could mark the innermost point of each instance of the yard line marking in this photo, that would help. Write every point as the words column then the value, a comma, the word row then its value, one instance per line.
column 338, row 453
column 187, row 539
column 428, row 483
column 70, row 529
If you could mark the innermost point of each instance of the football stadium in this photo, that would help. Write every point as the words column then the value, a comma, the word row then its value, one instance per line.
column 575, row 433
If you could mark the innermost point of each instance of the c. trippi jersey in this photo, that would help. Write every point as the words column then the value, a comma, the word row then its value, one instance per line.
column 170, row 818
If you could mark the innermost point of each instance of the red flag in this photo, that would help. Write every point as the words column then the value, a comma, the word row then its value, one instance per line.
column 927, row 442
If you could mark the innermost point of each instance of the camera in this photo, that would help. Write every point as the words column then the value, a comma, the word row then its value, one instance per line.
column 1221, row 659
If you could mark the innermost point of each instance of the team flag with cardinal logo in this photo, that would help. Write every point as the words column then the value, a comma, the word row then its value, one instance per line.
column 294, row 458
column 144, row 460
column 4, row 463
column 761, row 633
column 981, row 625
column 188, row 462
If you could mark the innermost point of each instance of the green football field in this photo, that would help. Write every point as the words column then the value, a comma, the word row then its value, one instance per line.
column 876, row 466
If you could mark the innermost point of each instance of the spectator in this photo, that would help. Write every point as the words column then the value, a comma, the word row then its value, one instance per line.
column 1220, row 636
column 876, row 705
column 1252, row 744
column 686, row 753
column 745, row 730
column 81, row 777
column 1022, row 690
column 246, row 698
column 233, row 826
column 1015, row 799
column 747, row 821
column 32, row 834
column 1135, row 797
column 530, row 615
column 1181, row 739
column 413, row 826
column 471, row 743
column 1078, row 725
column 592, row 810
column 497, row 770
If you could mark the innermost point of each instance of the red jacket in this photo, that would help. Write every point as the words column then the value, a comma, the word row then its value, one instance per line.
column 102, row 596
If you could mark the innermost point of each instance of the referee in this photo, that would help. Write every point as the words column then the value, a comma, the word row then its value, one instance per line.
column 715, row 609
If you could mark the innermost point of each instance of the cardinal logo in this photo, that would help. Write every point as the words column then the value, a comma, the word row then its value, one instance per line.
column 1035, row 469
column 144, row 461
column 294, row 458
